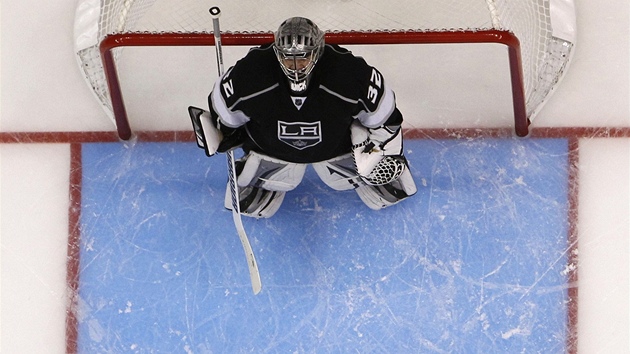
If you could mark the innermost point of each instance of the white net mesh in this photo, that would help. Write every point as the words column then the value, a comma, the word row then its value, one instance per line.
column 264, row 16
column 544, row 57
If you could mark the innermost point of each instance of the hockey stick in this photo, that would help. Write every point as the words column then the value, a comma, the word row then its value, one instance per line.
column 236, row 210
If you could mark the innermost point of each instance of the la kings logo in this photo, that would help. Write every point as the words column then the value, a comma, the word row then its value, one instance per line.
column 300, row 135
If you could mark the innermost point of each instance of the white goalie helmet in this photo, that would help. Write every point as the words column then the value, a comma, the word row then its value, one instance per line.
column 298, row 45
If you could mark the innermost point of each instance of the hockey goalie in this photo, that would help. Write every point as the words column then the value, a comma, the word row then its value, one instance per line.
column 299, row 101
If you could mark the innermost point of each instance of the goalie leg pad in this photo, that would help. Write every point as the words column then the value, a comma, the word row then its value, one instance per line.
column 379, row 197
column 270, row 173
column 339, row 173
column 262, row 182
column 256, row 202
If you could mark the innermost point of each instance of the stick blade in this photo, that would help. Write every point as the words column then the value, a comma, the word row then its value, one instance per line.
column 254, row 274
column 252, row 265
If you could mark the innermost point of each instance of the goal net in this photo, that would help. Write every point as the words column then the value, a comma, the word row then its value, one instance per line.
column 539, row 35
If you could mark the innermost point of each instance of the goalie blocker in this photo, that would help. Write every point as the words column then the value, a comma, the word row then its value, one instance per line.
column 376, row 169
column 210, row 138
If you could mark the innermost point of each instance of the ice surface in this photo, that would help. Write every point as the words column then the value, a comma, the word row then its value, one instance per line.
column 476, row 261
column 43, row 76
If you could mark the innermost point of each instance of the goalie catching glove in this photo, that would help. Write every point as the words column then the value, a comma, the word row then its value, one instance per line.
column 378, row 153
column 210, row 138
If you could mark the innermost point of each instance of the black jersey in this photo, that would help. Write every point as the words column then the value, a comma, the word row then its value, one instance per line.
column 309, row 128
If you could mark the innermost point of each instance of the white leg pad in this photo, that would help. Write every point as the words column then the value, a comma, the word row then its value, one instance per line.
column 339, row 173
column 262, row 184
column 257, row 203
column 379, row 197
column 270, row 173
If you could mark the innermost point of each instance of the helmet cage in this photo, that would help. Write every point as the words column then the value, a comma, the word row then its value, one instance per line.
column 298, row 44
column 297, row 67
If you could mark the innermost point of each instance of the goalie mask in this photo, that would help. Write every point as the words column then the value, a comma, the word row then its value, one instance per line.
column 298, row 44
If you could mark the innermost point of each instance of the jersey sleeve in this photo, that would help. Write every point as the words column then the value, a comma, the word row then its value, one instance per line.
column 377, row 102
column 223, row 99
column 248, row 79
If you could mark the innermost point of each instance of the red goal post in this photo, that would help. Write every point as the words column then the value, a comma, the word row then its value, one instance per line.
column 539, row 46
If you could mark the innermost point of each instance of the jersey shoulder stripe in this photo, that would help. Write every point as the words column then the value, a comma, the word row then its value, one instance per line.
column 338, row 95
column 232, row 116
column 351, row 79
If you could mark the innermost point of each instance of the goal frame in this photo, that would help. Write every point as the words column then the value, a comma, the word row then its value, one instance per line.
column 144, row 39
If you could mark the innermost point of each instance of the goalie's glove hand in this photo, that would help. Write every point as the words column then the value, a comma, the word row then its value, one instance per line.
column 378, row 153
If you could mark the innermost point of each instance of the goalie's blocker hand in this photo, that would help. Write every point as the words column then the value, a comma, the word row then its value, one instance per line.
column 209, row 137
